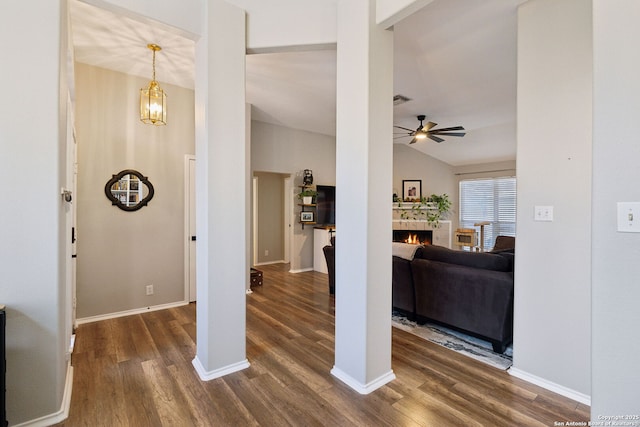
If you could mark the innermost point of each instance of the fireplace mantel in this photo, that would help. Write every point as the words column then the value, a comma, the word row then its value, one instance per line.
column 441, row 234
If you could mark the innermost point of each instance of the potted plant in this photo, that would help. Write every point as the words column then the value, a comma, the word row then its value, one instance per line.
column 307, row 195
column 441, row 205
column 432, row 209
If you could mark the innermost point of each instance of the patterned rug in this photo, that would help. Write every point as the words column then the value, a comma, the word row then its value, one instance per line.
column 469, row 346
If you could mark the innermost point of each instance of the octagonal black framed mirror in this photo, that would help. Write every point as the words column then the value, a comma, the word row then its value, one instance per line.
column 129, row 190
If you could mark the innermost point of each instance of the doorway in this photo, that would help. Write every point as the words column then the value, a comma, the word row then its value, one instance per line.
column 271, row 218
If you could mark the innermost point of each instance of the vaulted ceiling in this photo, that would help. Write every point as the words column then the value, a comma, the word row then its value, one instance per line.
column 455, row 59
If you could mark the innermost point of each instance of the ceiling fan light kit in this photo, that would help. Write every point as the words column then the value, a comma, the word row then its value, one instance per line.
column 427, row 131
column 153, row 100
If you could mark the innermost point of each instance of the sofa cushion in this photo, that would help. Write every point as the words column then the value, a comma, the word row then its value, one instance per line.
column 485, row 261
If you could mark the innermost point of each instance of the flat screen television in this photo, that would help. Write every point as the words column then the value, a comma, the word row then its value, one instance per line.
column 326, row 205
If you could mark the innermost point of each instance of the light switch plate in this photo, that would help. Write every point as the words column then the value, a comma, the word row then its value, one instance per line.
column 629, row 217
column 543, row 213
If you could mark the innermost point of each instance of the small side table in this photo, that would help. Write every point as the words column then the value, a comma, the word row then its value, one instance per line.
column 256, row 277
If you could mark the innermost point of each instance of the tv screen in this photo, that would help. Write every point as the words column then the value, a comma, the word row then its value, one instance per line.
column 326, row 205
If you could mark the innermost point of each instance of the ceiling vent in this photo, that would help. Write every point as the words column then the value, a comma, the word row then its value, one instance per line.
column 400, row 99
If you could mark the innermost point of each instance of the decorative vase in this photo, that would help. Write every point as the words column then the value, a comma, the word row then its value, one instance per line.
column 306, row 200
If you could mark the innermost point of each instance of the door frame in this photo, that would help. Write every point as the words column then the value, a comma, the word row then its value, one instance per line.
column 287, row 217
column 188, row 158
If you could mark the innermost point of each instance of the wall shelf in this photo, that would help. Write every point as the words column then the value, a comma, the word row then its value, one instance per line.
column 307, row 210
column 411, row 205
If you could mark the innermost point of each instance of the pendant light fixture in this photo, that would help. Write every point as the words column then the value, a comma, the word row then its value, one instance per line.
column 153, row 100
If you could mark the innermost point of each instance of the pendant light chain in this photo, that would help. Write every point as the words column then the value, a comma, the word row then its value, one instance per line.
column 154, row 64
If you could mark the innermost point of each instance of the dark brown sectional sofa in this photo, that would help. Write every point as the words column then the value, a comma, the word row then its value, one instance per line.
column 469, row 291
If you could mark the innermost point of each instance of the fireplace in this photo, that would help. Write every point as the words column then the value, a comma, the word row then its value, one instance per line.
column 418, row 237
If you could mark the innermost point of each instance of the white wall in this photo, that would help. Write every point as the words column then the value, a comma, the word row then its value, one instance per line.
column 390, row 12
column 119, row 252
column 552, row 335
column 284, row 150
column 183, row 18
column 486, row 170
column 296, row 22
column 290, row 151
column 615, row 349
column 33, row 79
column 437, row 177
column 270, row 212
column 33, row 110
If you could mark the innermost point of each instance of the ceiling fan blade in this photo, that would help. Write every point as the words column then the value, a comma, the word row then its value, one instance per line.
column 434, row 138
column 400, row 127
column 413, row 141
column 429, row 125
column 401, row 136
column 448, row 134
column 448, row 129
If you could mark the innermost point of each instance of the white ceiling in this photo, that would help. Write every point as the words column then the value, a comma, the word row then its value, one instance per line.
column 456, row 59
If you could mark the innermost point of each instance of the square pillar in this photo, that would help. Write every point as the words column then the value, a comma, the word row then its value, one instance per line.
column 221, row 193
column 364, row 163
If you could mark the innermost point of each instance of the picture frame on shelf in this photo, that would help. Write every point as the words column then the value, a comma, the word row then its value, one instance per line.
column 411, row 190
column 306, row 216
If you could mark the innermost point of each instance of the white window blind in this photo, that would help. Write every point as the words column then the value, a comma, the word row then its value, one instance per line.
column 492, row 200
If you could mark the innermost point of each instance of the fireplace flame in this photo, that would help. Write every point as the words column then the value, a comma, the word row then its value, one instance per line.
column 412, row 239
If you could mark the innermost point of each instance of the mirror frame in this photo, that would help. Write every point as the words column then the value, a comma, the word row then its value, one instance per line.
column 117, row 177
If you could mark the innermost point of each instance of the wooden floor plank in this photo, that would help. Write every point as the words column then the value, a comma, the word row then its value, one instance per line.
column 170, row 403
column 140, row 407
column 137, row 371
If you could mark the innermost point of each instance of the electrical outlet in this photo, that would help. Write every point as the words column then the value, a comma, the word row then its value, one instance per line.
column 543, row 213
column 266, row 252
column 149, row 289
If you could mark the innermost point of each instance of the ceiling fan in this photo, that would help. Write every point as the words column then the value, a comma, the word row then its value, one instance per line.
column 427, row 131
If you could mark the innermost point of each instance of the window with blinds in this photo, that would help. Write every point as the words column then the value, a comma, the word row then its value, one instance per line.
column 492, row 200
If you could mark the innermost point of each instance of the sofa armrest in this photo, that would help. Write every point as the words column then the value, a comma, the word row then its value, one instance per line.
column 403, row 294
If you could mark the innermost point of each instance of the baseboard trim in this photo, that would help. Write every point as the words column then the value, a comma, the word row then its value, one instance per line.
column 359, row 387
column 220, row 372
column 301, row 270
column 63, row 413
column 108, row 316
column 551, row 386
column 269, row 263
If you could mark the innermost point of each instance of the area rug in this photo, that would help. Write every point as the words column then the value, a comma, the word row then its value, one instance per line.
column 456, row 341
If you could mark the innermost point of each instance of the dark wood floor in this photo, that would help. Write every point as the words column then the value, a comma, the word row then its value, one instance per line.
column 136, row 371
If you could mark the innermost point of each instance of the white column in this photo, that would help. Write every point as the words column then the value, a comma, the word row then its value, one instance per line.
column 558, row 33
column 221, row 192
column 33, row 231
column 364, row 158
column 615, row 269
